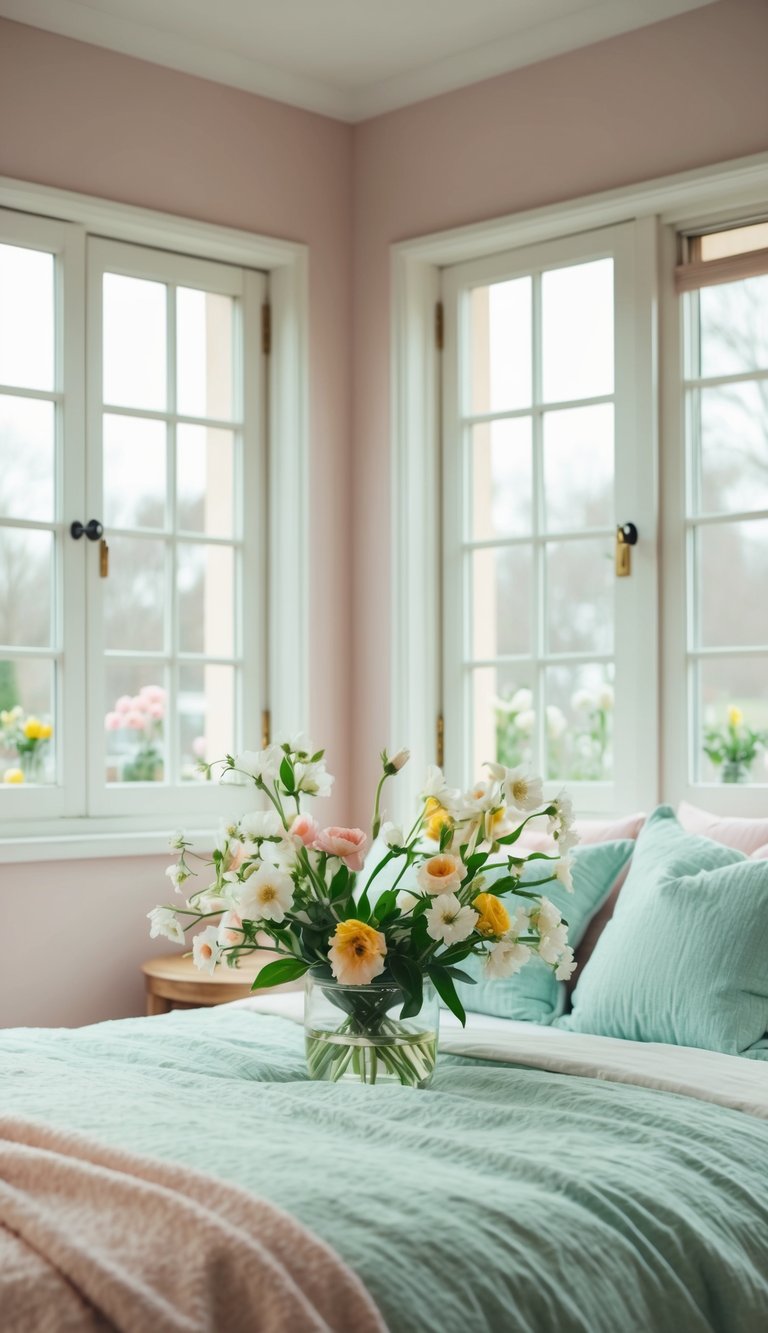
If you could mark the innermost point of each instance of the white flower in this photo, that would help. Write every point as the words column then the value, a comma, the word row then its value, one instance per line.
column 563, row 874
column 441, row 874
column 206, row 950
column 230, row 930
column 210, row 902
column 165, row 922
column 560, row 824
column 523, row 791
column 267, row 895
column 497, row 772
column 521, row 701
column 556, row 723
column 298, row 743
column 526, row 721
column 605, row 698
column 313, row 779
column 177, row 874
column 283, row 854
column 399, row 760
column 260, row 824
column 406, row 900
column 582, row 701
column 552, row 945
column 392, row 834
column 178, row 842
column 545, row 917
column 436, row 786
column 263, row 765
column 567, row 965
column 505, row 958
column 448, row 921
column 519, row 925
column 480, row 799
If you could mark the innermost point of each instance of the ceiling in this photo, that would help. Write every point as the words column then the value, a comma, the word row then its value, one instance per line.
column 349, row 59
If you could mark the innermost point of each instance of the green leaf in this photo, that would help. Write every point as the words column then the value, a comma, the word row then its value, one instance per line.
column 458, row 975
column 408, row 976
column 317, row 756
column 339, row 883
column 386, row 904
column 287, row 776
column 282, row 969
column 443, row 984
column 446, row 834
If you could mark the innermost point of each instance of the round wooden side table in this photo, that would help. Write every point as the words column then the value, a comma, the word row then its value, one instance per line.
column 173, row 982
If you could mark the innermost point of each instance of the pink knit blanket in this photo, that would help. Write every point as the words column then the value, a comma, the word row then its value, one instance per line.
column 95, row 1238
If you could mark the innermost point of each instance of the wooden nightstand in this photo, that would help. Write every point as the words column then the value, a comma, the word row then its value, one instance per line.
column 173, row 982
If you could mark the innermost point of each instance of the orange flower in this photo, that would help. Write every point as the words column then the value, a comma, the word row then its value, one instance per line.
column 494, row 917
column 357, row 953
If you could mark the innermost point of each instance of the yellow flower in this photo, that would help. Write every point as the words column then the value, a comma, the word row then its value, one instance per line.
column 735, row 716
column 438, row 818
column 46, row 731
column 5, row 717
column 357, row 953
column 494, row 917
column 13, row 775
column 32, row 728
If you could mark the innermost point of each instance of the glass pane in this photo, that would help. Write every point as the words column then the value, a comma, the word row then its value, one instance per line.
column 580, row 722
column 503, row 715
column 577, row 331
column 134, row 724
column 26, row 318
column 135, row 371
column 501, row 602
column 733, row 322
column 134, row 595
column 733, row 577
column 27, row 730
column 578, row 468
column 134, row 472
column 205, row 461
column 733, row 429
column 26, row 577
column 26, row 458
column 502, row 479
column 500, row 346
column 205, row 583
column 733, row 720
column 204, row 323
column 580, row 579
column 206, row 716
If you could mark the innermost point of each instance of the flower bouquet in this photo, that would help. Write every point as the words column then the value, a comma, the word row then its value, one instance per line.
column 376, row 940
column 142, row 717
column 733, row 748
column 30, row 738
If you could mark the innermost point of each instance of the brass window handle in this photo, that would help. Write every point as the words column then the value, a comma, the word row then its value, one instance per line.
column 626, row 538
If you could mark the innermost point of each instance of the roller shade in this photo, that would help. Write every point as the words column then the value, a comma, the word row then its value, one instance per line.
column 723, row 256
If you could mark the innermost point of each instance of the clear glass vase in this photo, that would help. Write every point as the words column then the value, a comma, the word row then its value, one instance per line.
column 355, row 1034
column 735, row 770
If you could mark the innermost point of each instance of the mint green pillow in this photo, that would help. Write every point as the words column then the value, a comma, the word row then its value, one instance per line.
column 684, row 959
column 533, row 994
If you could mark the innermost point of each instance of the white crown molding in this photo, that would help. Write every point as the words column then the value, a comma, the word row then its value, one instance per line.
column 608, row 18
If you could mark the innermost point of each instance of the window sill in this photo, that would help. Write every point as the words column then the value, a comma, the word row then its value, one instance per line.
column 92, row 844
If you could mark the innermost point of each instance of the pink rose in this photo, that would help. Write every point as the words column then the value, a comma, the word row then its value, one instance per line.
column 152, row 694
column 348, row 844
column 135, row 720
column 124, row 704
column 113, row 722
column 306, row 829
column 156, row 711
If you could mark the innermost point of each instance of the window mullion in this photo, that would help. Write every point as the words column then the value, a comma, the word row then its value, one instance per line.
column 539, row 554
column 172, row 625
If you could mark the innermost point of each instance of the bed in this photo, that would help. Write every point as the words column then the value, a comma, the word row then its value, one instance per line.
column 547, row 1180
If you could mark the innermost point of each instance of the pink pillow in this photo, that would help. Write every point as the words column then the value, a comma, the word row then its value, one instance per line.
column 590, row 830
column 746, row 835
column 761, row 854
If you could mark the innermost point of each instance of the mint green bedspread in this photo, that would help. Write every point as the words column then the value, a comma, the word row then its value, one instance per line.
column 499, row 1199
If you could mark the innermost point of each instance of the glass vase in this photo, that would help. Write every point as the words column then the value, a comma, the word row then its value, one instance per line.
column 735, row 770
column 354, row 1034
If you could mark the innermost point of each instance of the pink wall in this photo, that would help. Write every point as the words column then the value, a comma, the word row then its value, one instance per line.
column 666, row 98
column 663, row 99
column 89, row 120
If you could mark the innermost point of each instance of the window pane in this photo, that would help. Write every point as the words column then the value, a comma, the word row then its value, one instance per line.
column 134, row 472
column 205, row 582
column 503, row 713
column 726, row 684
column 205, row 461
column 27, row 725
column 26, row 569
column 578, row 468
column 577, row 331
column 502, row 479
column 206, row 715
column 135, row 371
column 500, row 346
column 204, row 354
column 26, row 318
column 579, row 722
column 733, row 323
column 733, row 576
column 134, row 595
column 733, row 430
column 502, row 601
column 135, row 722
column 580, row 581
column 26, row 458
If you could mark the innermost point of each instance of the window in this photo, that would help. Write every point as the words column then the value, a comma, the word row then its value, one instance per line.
column 543, row 643
column 132, row 393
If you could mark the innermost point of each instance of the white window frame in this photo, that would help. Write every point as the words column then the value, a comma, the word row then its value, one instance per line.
column 635, row 600
column 658, row 208
column 30, row 832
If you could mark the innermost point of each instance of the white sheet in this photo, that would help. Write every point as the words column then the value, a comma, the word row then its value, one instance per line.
column 729, row 1080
